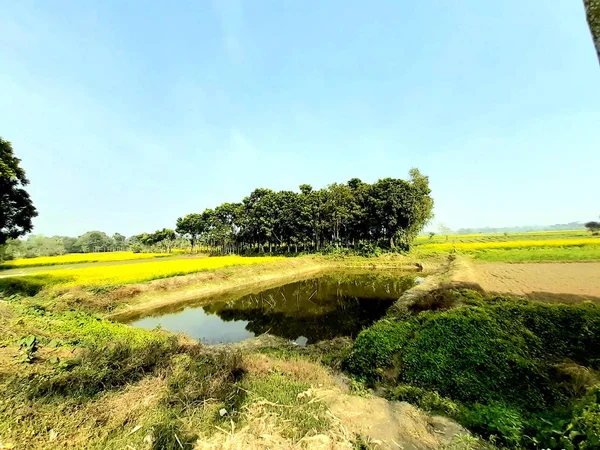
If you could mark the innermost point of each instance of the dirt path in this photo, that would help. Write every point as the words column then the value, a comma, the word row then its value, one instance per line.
column 564, row 282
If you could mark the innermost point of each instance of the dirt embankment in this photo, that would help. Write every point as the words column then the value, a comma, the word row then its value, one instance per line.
column 384, row 424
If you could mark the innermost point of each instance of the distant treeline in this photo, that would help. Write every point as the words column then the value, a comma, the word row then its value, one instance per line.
column 523, row 229
column 389, row 213
column 38, row 245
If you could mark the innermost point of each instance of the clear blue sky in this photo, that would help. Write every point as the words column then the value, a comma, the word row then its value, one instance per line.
column 128, row 115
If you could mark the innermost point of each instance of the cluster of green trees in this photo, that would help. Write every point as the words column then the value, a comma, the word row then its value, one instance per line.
column 389, row 213
column 161, row 240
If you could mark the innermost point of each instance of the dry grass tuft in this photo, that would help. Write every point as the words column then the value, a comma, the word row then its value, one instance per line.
column 298, row 369
column 263, row 430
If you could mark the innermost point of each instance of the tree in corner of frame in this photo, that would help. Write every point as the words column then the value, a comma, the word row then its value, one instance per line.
column 16, row 208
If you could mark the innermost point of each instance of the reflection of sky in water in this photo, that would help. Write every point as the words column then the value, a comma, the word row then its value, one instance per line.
column 208, row 328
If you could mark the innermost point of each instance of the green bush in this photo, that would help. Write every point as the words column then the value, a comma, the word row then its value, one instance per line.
column 469, row 355
column 375, row 347
column 565, row 331
column 424, row 399
column 570, row 430
column 501, row 423
column 515, row 365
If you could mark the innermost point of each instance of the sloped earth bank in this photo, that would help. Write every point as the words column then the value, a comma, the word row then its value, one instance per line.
column 564, row 282
column 379, row 423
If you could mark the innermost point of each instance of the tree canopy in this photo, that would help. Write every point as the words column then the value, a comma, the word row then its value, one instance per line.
column 593, row 226
column 389, row 213
column 16, row 207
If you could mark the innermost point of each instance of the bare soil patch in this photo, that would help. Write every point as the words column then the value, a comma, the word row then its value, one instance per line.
column 560, row 282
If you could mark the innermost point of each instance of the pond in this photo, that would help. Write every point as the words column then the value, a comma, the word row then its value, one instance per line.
column 305, row 311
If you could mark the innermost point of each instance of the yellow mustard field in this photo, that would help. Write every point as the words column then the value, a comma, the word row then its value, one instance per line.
column 143, row 271
column 516, row 244
column 75, row 258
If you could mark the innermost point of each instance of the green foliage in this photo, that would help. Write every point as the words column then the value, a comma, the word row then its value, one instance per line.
column 498, row 357
column 563, row 331
column 584, row 429
column 33, row 246
column 496, row 421
column 16, row 207
column 376, row 347
column 28, row 346
column 593, row 226
column 470, row 355
column 424, row 399
column 499, row 351
column 578, row 428
column 94, row 241
column 388, row 214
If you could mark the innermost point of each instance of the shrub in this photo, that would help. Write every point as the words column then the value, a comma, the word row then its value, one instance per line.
column 469, row 355
column 497, row 421
column 424, row 399
column 375, row 347
column 515, row 365
column 565, row 331
column 578, row 429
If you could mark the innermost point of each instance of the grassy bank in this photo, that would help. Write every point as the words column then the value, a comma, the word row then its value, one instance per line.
column 521, row 374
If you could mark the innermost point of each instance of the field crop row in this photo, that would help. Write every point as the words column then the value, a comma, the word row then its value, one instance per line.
column 563, row 249
column 76, row 258
column 123, row 274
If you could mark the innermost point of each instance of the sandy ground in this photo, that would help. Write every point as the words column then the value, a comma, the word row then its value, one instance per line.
column 564, row 282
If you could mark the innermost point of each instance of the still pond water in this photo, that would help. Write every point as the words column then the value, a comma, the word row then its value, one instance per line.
column 306, row 311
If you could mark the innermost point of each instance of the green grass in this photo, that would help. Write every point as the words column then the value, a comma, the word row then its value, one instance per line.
column 539, row 254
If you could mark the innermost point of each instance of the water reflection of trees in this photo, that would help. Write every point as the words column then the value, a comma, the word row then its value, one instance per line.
column 321, row 308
